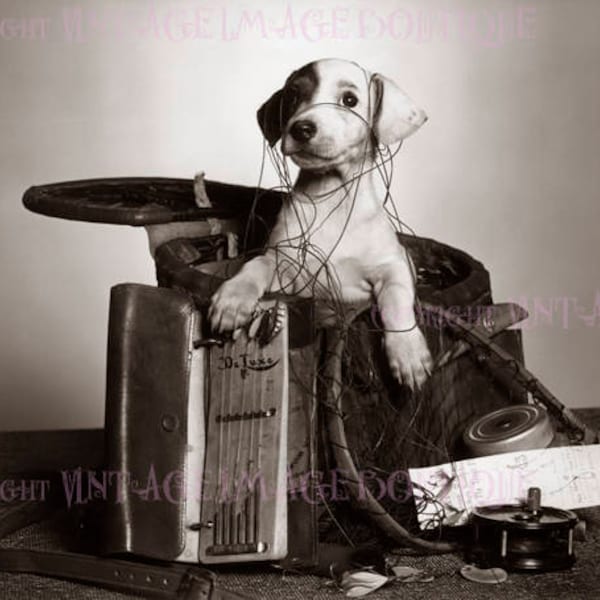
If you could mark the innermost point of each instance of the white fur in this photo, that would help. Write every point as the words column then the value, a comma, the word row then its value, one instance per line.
column 335, row 212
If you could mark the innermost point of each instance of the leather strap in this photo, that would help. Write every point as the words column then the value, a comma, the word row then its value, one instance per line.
column 152, row 580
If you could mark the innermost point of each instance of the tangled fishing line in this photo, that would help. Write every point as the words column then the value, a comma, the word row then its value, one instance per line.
column 353, row 378
column 324, row 284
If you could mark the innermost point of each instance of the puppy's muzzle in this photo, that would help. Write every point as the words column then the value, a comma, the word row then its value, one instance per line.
column 303, row 131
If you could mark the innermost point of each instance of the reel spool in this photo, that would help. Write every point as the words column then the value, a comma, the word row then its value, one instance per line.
column 523, row 537
column 510, row 429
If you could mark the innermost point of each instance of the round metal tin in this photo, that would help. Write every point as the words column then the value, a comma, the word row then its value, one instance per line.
column 510, row 429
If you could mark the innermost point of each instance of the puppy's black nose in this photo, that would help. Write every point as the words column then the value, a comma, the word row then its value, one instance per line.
column 304, row 130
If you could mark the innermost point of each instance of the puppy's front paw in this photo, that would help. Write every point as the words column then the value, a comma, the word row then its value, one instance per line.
column 232, row 304
column 409, row 357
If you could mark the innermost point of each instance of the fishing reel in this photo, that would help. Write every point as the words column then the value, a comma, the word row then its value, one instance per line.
column 523, row 537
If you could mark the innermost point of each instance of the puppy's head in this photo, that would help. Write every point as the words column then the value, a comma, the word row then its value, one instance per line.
column 332, row 111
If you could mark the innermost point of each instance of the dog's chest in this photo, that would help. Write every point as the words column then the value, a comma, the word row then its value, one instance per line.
column 324, row 255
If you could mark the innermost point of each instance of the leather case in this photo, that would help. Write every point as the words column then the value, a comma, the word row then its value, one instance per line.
column 150, row 339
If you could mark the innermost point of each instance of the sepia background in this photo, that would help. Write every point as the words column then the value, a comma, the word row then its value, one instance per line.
column 507, row 167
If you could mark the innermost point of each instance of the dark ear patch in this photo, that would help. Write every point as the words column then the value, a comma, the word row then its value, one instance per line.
column 274, row 114
column 271, row 118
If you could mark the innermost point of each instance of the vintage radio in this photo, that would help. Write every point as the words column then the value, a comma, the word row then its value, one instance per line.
column 200, row 435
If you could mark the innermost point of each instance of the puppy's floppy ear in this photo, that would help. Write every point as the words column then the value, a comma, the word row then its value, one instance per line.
column 270, row 117
column 396, row 116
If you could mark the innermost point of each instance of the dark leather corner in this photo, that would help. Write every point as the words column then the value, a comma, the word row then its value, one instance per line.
column 149, row 347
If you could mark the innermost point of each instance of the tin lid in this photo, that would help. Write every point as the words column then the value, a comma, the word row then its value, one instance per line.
column 510, row 429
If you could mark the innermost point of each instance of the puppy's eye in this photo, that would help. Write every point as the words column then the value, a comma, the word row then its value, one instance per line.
column 349, row 100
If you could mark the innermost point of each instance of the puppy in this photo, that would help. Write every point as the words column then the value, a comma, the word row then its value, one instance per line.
column 333, row 240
